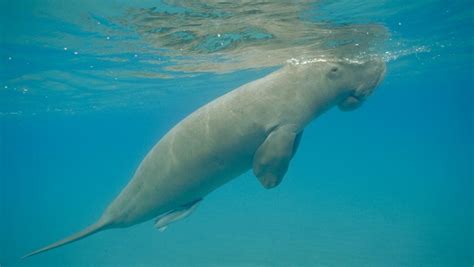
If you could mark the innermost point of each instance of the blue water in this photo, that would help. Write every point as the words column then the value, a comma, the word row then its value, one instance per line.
column 390, row 184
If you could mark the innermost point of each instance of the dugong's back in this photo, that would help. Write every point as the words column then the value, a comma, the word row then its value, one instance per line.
column 208, row 148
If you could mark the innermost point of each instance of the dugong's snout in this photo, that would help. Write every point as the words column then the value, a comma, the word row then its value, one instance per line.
column 373, row 72
column 368, row 76
column 379, row 68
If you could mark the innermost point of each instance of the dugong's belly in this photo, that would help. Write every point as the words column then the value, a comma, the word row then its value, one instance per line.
column 210, row 147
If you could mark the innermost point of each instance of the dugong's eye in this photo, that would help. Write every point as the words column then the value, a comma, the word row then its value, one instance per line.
column 334, row 73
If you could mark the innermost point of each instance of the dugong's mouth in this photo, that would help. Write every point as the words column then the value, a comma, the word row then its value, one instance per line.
column 350, row 103
column 354, row 98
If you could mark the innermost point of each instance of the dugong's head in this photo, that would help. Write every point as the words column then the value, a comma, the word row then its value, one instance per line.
column 355, row 80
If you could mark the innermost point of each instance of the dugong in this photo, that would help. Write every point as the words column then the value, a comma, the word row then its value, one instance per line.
column 256, row 126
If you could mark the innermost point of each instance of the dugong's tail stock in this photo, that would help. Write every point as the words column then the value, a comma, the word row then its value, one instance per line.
column 94, row 228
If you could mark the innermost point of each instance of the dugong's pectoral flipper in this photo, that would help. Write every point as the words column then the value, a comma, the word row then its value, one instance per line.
column 164, row 220
column 272, row 158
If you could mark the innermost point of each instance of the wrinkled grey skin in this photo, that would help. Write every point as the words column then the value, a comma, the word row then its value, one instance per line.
column 257, row 125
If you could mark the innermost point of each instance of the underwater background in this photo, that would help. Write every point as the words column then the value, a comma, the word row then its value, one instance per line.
column 88, row 87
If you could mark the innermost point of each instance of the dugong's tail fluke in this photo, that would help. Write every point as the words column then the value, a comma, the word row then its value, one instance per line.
column 80, row 235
